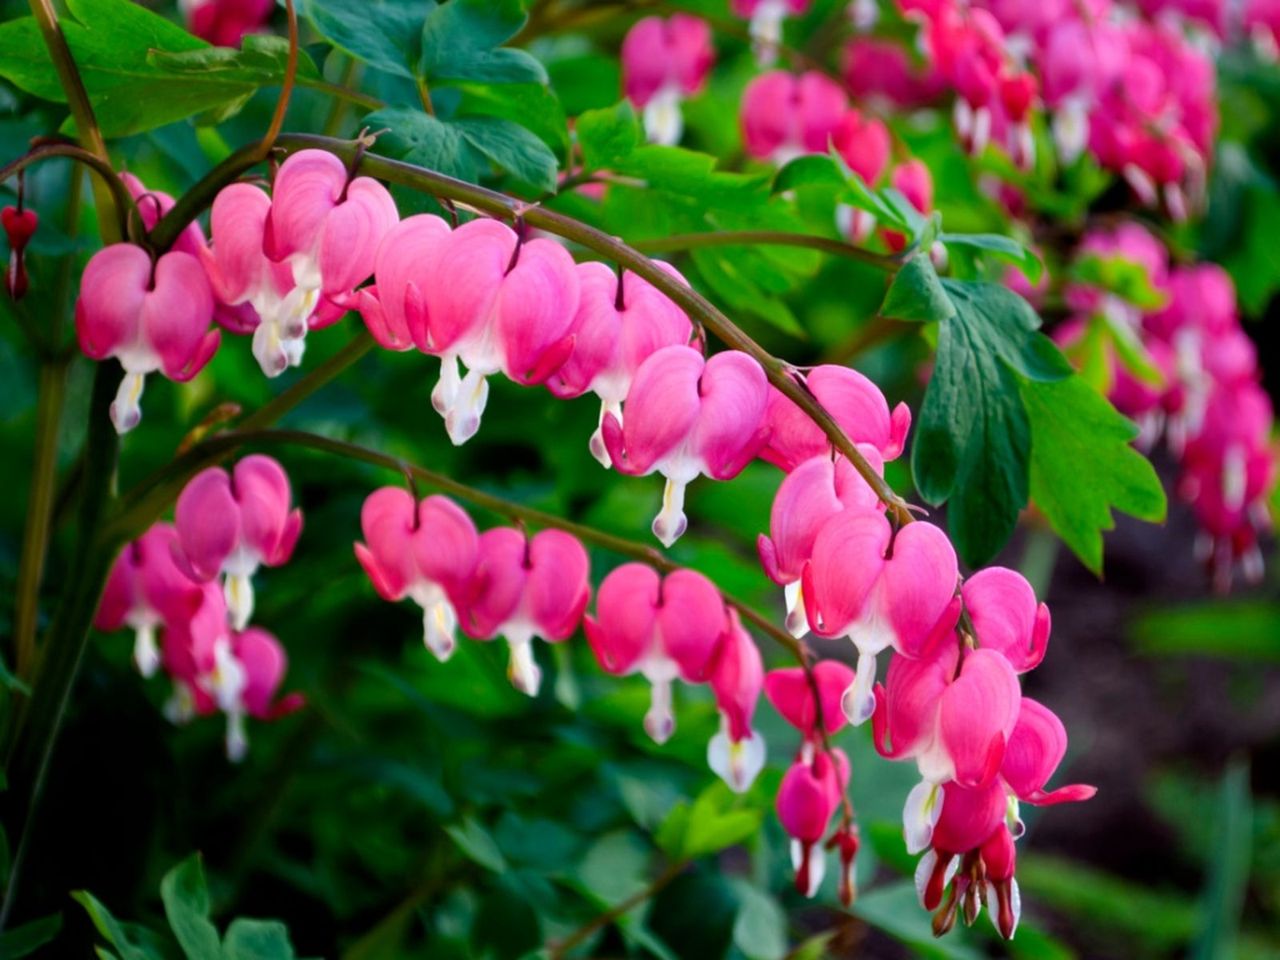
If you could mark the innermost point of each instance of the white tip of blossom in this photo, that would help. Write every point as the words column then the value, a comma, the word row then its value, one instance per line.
column 237, row 738
column 817, row 865
column 126, row 408
column 737, row 763
column 146, row 652
column 859, row 702
column 462, row 420
column 522, row 670
column 439, row 625
column 671, row 523
column 797, row 621
column 660, row 720
column 920, row 815
column 1070, row 130
column 238, row 589
column 269, row 349
column 663, row 119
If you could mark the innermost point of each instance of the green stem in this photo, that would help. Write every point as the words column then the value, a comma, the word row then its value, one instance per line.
column 340, row 92
column 87, row 128
column 35, row 537
column 732, row 238
column 561, row 949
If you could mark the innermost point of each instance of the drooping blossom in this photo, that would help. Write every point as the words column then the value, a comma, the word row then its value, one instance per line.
column 151, row 316
column 394, row 306
column 880, row 591
column 426, row 551
column 791, row 694
column 497, row 305
column 228, row 524
column 19, row 227
column 810, row 495
column 145, row 591
column 686, row 416
column 664, row 628
column 665, row 61
column 810, row 793
column 224, row 23
column 737, row 752
column 785, row 115
column 863, row 144
column 621, row 320
column 526, row 588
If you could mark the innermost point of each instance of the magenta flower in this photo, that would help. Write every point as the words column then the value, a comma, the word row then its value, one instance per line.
column 809, row 794
column 880, row 591
column 810, row 496
column 1005, row 616
column 526, row 588
column 789, row 691
column 145, row 591
column 394, row 307
column 230, row 523
column 687, row 416
column 496, row 304
column 785, row 115
column 621, row 321
column 736, row 753
column 426, row 551
column 853, row 400
column 149, row 316
column 663, row 62
column 863, row 143
column 665, row 628
column 224, row 23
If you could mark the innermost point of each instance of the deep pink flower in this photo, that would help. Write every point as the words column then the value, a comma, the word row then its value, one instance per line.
column 426, row 551
column 19, row 227
column 394, row 306
column 785, row 115
column 527, row 588
column 621, row 320
column 145, row 591
column 664, row 61
column 687, row 416
column 855, row 587
column 148, row 316
column 736, row 753
column 874, row 68
column 809, row 794
column 1005, row 617
column 496, row 305
column 224, row 23
column 853, row 400
column 914, row 181
column 789, row 691
column 665, row 628
column 809, row 496
column 230, row 523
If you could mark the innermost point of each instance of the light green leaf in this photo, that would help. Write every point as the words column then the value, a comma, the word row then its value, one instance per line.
column 1006, row 248
column 1083, row 465
column 917, row 294
column 607, row 135
column 385, row 34
column 476, row 842
column 109, row 928
column 186, row 905
column 1125, row 278
column 1235, row 629
column 257, row 940
column 461, row 40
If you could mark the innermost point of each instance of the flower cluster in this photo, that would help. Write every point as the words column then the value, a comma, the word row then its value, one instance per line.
column 1191, row 375
column 164, row 586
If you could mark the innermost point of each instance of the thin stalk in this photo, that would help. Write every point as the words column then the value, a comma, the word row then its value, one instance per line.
column 286, row 88
column 35, row 537
column 340, row 91
column 733, row 238
column 558, row 951
column 122, row 201
column 87, row 128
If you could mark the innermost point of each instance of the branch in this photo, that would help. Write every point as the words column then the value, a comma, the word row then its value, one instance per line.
column 124, row 204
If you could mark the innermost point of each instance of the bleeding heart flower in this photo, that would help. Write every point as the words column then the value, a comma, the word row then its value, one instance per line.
column 19, row 227
column 736, row 753
column 394, row 307
column 789, row 691
column 664, row 61
column 809, row 794
column 785, row 115
column 149, row 316
column 687, row 416
column 230, row 523
column 427, row 551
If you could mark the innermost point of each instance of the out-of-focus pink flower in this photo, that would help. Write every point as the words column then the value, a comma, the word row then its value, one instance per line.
column 766, row 17
column 231, row 523
column 809, row 794
column 736, row 753
column 496, row 304
column 853, row 400
column 426, row 551
column 810, row 495
column 663, row 62
column 225, row 22
column 914, row 181
column 526, row 588
column 145, row 591
column 880, row 69
column 687, row 416
column 857, row 587
column 1005, row 616
column 621, row 320
column 665, row 628
column 149, row 316
column 785, row 115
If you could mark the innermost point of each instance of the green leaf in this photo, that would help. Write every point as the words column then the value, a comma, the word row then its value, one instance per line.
column 418, row 138
column 1125, row 278
column 513, row 148
column 1234, row 629
column 30, row 937
column 973, row 438
column 476, row 842
column 109, row 928
column 731, row 281
column 760, row 928
column 461, row 40
column 386, row 34
column 1083, row 466
column 186, row 905
column 261, row 60
column 1223, row 900
column 531, row 105
column 112, row 41
column 257, row 940
column 608, row 135
column 916, row 294
column 1006, row 248
column 895, row 910
column 714, row 822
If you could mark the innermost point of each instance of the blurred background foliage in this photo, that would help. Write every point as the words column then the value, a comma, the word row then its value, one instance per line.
column 420, row 810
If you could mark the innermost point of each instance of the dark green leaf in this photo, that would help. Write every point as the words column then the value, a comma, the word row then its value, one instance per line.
column 385, row 34
column 917, row 294
column 512, row 148
column 111, row 41
column 1083, row 466
column 476, row 842
column 1223, row 898
column 257, row 940
column 461, row 41
column 30, row 937
column 531, row 105
column 895, row 909
column 973, row 438
column 760, row 929
column 418, row 138
column 1003, row 247
column 261, row 60
column 186, row 905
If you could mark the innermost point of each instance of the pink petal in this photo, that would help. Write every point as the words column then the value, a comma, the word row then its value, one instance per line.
column 661, row 409
column 692, row 619
column 264, row 663
column 352, row 233
column 919, row 584
column 804, row 804
column 977, row 714
column 445, row 545
column 737, row 676
column 1036, row 747
column 536, row 306
column 207, row 518
column 558, row 587
column 626, row 614
column 113, row 291
column 911, row 696
column 848, row 558
column 789, row 691
column 176, row 315
column 734, row 395
column 969, row 817
column 462, row 286
column 261, row 488
column 1005, row 616
column 499, row 582
column 307, row 186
